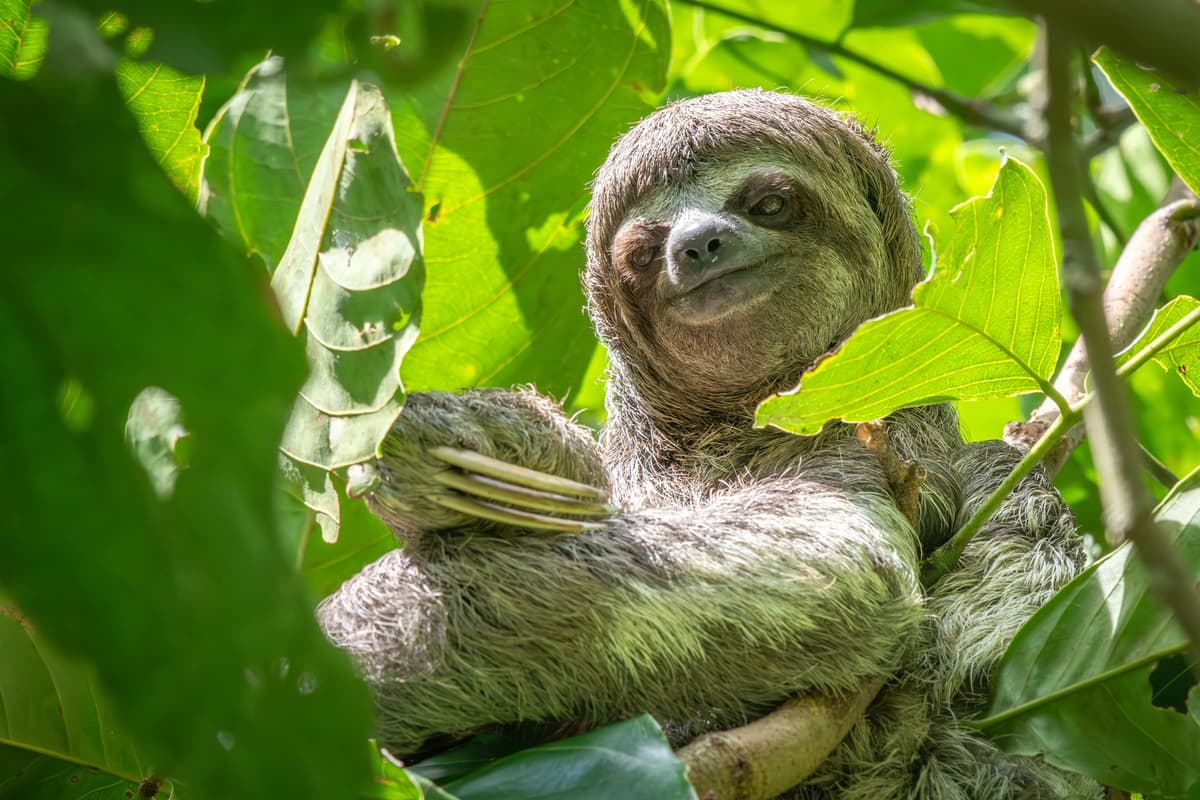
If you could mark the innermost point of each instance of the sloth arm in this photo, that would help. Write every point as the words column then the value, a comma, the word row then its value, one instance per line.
column 703, row 613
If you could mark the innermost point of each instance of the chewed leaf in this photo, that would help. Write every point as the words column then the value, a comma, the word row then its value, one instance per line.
column 1182, row 354
column 318, row 187
column 1171, row 115
column 984, row 324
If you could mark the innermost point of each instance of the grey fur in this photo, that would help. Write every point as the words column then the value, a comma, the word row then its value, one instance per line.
column 746, row 565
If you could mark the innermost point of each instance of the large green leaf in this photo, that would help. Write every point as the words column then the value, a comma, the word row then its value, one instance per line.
column 1171, row 115
column 630, row 760
column 502, row 144
column 22, row 39
column 1083, row 663
column 200, row 631
column 985, row 323
column 51, row 706
column 318, row 191
column 165, row 103
column 1182, row 355
column 263, row 146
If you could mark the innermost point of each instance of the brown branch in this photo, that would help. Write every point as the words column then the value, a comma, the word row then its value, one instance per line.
column 1128, row 507
column 772, row 754
column 1154, row 251
column 973, row 112
column 904, row 477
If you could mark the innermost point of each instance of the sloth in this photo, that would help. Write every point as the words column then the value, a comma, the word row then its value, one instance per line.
column 687, row 563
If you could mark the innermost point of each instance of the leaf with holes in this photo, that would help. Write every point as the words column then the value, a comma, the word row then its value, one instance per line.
column 1087, row 660
column 502, row 143
column 1182, row 354
column 349, row 273
column 984, row 324
column 1171, row 114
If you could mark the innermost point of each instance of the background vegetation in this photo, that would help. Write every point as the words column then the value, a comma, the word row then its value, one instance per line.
column 393, row 193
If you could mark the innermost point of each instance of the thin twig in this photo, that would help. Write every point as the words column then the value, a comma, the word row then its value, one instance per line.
column 1128, row 506
column 973, row 112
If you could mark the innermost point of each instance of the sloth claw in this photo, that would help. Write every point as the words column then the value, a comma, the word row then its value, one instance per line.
column 484, row 482
column 512, row 516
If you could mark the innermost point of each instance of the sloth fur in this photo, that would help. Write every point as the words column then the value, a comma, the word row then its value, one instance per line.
column 746, row 565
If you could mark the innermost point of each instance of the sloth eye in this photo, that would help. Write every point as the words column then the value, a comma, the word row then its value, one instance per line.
column 644, row 255
column 768, row 206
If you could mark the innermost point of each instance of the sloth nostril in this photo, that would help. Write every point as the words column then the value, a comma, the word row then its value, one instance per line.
column 692, row 253
column 713, row 244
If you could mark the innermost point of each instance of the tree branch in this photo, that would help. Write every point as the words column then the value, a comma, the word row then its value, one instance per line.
column 1127, row 505
column 772, row 754
column 1153, row 252
column 973, row 112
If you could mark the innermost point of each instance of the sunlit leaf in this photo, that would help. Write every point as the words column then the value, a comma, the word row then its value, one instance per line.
column 22, row 39
column 985, row 323
column 1084, row 663
column 1171, row 114
column 1182, row 355
column 502, row 144
column 165, row 103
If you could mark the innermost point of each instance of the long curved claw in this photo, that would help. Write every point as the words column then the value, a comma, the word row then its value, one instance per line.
column 511, row 473
column 492, row 489
column 511, row 516
column 487, row 488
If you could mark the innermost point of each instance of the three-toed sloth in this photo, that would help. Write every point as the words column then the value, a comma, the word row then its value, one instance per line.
column 733, row 240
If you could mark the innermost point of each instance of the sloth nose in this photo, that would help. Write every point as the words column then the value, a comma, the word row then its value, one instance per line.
column 702, row 242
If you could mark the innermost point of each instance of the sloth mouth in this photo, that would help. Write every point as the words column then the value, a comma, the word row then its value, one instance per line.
column 723, row 293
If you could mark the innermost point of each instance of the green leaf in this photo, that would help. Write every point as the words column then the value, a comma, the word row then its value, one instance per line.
column 984, row 324
column 349, row 279
column 164, row 103
column 263, row 146
column 1182, row 355
column 1171, row 114
column 22, row 39
column 28, row 775
column 502, row 143
column 1083, row 663
column 50, row 705
column 199, row 629
column 630, row 760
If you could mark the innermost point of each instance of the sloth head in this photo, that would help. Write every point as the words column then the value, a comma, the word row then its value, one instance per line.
column 734, row 238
